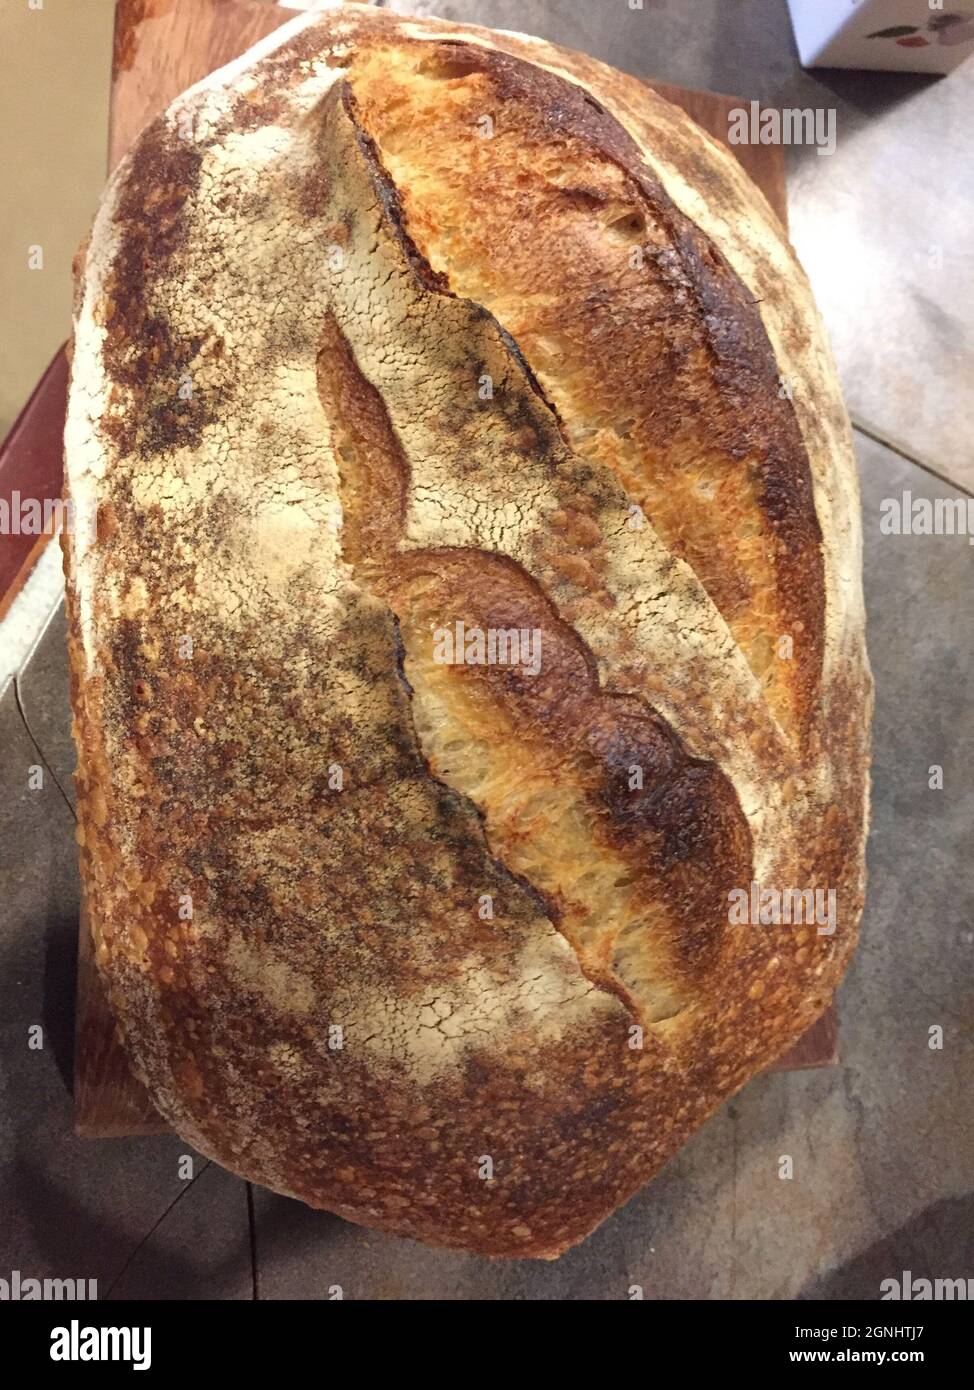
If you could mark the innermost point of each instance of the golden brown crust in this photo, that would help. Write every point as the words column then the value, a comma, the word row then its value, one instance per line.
column 656, row 363
column 368, row 920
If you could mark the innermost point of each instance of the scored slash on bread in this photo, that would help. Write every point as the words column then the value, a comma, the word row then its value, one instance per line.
column 329, row 250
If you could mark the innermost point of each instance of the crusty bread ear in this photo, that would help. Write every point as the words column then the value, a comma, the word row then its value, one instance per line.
column 466, row 629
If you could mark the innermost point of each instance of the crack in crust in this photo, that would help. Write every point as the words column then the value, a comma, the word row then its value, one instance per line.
column 682, row 398
column 634, row 876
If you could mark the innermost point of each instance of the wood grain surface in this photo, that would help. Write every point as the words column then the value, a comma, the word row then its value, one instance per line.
column 31, row 466
column 108, row 1101
column 161, row 48
column 164, row 46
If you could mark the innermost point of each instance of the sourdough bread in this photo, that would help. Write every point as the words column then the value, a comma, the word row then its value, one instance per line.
column 466, row 627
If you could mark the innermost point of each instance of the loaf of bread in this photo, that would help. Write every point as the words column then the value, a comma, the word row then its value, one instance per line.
column 466, row 628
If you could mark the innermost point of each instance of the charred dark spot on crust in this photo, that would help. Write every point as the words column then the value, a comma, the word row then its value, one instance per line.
column 162, row 176
column 263, row 105
column 142, row 355
column 126, row 651
column 633, row 738
column 595, row 1110
column 748, row 375
column 314, row 196
column 172, row 417
column 516, row 405
column 106, row 523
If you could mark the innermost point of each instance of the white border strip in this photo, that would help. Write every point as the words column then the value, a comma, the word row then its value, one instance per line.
column 29, row 614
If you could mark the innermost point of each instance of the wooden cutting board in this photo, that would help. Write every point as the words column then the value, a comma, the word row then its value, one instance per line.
column 161, row 48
